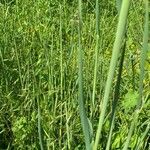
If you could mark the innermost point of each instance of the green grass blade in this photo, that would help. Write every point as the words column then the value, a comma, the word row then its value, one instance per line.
column 36, row 95
column 96, row 52
column 116, row 95
column 144, row 52
column 117, row 87
column 61, row 55
column 116, row 50
column 39, row 124
column 140, row 142
column 83, row 116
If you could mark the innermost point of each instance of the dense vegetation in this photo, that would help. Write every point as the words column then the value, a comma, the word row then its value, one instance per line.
column 56, row 53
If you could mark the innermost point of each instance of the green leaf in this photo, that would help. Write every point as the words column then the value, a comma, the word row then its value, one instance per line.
column 130, row 100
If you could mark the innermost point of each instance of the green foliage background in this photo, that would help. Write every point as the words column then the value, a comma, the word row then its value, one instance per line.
column 34, row 68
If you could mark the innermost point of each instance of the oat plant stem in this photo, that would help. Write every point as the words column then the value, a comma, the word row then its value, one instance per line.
column 115, row 54
column 82, row 112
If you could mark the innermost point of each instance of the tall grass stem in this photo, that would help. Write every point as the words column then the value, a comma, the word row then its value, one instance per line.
column 83, row 116
column 116, row 50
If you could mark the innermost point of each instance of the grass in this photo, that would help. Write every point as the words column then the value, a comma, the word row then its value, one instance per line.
column 58, row 76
